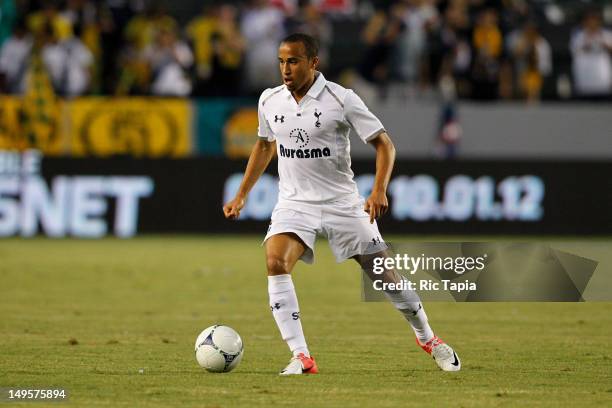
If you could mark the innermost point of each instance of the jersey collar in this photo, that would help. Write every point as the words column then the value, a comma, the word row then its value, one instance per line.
column 318, row 86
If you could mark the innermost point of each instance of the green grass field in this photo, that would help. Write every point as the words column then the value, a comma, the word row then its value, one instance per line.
column 88, row 315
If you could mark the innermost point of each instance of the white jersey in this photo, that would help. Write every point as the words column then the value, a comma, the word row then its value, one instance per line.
column 312, row 139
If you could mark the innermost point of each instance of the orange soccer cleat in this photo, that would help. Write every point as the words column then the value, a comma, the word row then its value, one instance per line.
column 442, row 353
column 301, row 364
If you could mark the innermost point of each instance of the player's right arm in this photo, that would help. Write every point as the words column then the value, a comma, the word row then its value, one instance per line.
column 260, row 157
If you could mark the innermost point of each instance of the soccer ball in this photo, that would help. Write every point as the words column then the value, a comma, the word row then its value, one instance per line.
column 219, row 349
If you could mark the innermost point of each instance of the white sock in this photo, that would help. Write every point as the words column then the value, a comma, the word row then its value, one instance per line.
column 286, row 312
column 408, row 303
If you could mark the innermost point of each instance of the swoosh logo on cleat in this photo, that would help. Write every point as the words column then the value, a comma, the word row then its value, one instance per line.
column 456, row 362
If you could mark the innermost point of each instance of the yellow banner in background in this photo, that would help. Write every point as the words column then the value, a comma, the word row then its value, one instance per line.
column 240, row 133
column 139, row 127
column 32, row 123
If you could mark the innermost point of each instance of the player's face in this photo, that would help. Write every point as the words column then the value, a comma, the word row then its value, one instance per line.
column 297, row 70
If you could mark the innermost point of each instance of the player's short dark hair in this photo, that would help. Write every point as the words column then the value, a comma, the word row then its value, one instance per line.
column 310, row 43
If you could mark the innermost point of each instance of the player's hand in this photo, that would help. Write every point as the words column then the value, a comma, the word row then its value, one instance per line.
column 232, row 209
column 376, row 205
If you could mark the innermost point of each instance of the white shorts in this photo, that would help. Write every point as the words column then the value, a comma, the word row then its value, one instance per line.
column 343, row 222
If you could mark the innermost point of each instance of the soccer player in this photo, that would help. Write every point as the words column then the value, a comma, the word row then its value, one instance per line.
column 307, row 121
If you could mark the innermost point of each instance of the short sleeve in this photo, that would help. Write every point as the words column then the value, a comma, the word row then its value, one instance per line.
column 364, row 123
column 263, row 128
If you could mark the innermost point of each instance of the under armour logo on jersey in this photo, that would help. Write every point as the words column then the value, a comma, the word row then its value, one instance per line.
column 281, row 118
column 317, row 115
column 275, row 306
column 376, row 240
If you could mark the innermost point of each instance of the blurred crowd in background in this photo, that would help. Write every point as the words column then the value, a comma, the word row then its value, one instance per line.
column 475, row 49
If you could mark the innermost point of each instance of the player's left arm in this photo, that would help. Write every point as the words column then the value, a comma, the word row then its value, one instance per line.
column 377, row 204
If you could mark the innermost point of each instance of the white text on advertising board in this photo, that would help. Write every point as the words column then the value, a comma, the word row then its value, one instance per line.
column 68, row 205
